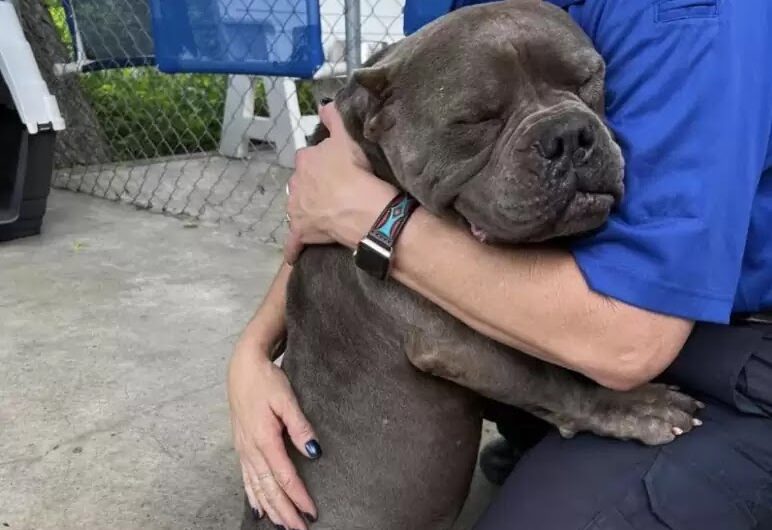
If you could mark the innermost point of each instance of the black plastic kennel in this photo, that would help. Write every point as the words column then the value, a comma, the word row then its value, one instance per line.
column 29, row 120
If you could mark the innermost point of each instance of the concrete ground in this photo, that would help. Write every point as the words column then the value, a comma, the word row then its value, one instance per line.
column 116, row 327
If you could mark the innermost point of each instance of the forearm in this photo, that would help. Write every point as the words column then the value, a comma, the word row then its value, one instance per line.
column 536, row 300
column 268, row 325
column 510, row 295
column 533, row 299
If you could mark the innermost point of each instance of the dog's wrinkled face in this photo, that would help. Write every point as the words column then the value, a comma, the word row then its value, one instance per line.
column 493, row 112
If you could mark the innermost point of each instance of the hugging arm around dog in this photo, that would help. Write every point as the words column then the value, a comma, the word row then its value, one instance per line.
column 651, row 294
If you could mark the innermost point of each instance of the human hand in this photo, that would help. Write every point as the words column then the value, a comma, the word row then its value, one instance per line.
column 333, row 196
column 262, row 405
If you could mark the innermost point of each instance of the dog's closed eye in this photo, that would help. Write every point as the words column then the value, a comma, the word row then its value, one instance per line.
column 476, row 118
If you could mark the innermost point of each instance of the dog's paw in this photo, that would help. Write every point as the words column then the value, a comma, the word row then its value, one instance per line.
column 654, row 414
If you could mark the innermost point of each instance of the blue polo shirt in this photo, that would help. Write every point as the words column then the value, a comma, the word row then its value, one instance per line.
column 689, row 98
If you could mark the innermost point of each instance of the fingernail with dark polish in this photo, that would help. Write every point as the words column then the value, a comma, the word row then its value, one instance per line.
column 313, row 449
column 310, row 518
column 325, row 101
column 256, row 514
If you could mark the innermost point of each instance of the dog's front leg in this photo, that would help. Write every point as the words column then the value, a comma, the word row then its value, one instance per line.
column 653, row 414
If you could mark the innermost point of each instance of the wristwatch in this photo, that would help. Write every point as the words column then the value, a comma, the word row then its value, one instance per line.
column 374, row 251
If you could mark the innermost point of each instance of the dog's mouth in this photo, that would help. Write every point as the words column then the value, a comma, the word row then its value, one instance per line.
column 584, row 212
column 478, row 233
column 587, row 205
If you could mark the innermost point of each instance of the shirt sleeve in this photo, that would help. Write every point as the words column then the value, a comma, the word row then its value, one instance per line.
column 689, row 108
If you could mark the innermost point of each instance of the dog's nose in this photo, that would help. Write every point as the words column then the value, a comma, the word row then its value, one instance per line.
column 571, row 137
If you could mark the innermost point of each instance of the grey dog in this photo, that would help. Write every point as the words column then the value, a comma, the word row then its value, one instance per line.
column 491, row 116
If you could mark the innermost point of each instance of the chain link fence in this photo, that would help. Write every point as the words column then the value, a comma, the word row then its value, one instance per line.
column 206, row 148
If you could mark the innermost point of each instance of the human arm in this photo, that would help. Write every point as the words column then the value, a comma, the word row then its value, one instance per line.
column 539, row 302
column 262, row 404
column 616, row 306
column 267, row 326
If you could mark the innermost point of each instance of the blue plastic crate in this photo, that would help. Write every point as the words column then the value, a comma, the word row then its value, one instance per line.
column 258, row 37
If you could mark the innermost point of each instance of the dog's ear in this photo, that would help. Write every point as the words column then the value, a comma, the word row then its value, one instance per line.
column 376, row 124
column 376, row 80
column 375, row 74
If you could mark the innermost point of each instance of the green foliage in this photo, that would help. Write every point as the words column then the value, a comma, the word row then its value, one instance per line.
column 145, row 113
column 57, row 15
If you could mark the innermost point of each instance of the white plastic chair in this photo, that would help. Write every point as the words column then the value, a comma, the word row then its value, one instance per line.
column 284, row 126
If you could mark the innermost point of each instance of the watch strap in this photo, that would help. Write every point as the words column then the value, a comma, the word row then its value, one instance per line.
column 392, row 220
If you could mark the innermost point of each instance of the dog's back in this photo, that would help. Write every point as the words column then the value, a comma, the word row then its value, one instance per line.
column 392, row 436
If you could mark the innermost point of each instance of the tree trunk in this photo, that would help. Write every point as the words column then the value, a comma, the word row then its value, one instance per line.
column 82, row 142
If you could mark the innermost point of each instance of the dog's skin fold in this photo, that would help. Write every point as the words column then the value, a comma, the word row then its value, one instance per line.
column 492, row 116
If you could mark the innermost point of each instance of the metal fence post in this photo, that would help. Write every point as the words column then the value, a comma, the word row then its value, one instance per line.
column 353, row 36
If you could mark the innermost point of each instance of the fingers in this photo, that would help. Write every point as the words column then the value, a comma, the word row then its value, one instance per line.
column 292, row 248
column 272, row 483
column 284, row 474
column 331, row 118
column 299, row 429
column 273, row 516
column 249, row 488
column 260, row 496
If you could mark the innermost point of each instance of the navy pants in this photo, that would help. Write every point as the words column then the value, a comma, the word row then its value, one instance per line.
column 717, row 477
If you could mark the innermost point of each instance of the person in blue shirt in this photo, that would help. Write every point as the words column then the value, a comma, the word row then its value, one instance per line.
column 664, row 290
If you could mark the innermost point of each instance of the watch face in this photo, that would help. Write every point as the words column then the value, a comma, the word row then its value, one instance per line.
column 371, row 262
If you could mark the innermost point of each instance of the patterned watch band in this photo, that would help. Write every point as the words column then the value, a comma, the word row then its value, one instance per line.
column 392, row 220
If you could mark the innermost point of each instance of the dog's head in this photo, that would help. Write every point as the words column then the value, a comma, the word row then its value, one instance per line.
column 493, row 113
